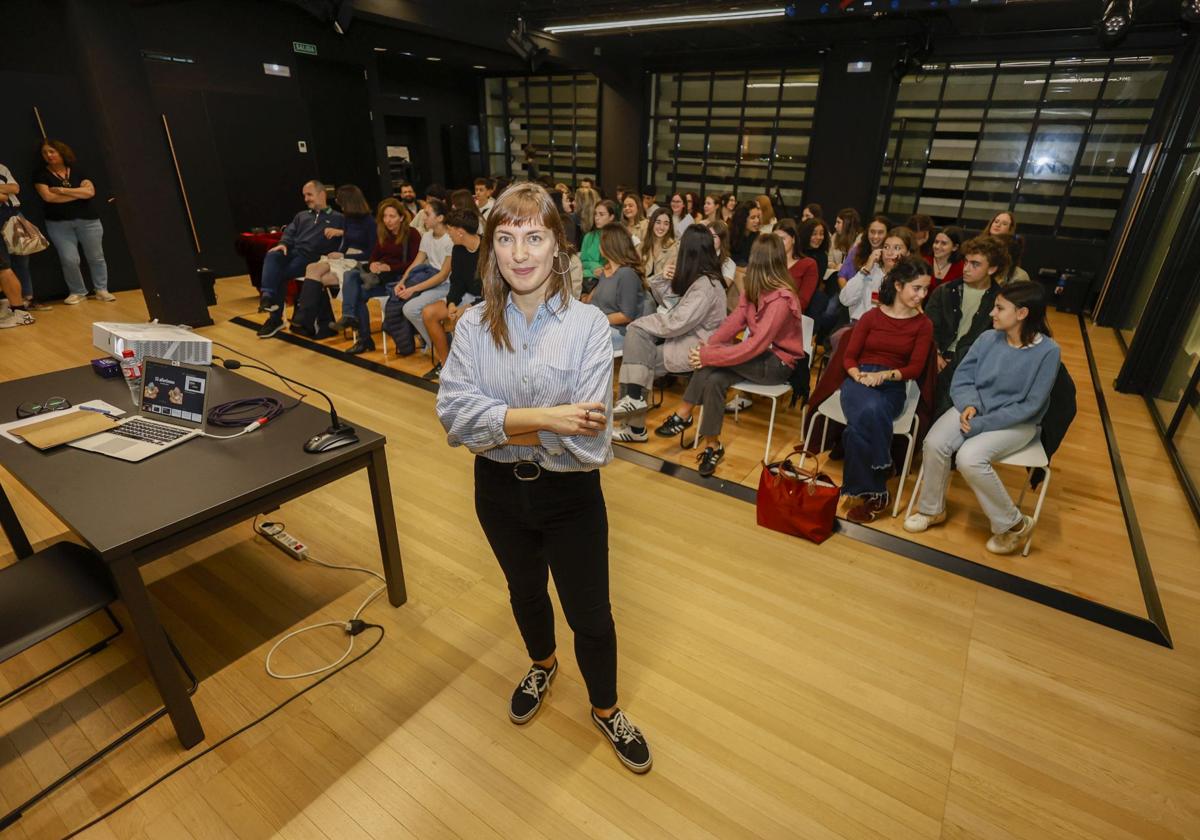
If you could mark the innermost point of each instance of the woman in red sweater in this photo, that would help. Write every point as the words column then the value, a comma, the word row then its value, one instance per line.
column 946, row 259
column 770, row 314
column 888, row 346
column 803, row 270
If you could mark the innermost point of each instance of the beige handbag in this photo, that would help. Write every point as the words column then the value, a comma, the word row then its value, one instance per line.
column 22, row 237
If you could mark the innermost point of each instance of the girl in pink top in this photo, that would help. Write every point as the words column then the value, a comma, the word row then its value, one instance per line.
column 769, row 314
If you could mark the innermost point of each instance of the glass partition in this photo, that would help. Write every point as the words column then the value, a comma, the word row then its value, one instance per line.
column 557, row 116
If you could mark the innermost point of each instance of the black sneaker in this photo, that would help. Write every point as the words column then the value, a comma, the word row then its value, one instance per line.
column 272, row 326
column 709, row 459
column 265, row 305
column 626, row 739
column 361, row 347
column 432, row 374
column 527, row 698
column 673, row 426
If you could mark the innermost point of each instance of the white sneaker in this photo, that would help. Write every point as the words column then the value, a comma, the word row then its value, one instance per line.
column 16, row 318
column 919, row 522
column 738, row 404
column 106, row 296
column 628, row 435
column 628, row 406
column 1010, row 541
column 74, row 299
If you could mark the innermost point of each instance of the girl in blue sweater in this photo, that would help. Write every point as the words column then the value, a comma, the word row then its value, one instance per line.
column 1000, row 392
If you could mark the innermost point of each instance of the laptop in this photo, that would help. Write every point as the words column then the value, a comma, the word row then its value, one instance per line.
column 173, row 409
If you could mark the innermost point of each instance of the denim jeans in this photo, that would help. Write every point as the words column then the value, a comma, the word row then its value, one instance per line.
column 67, row 237
column 354, row 296
column 870, row 413
column 416, row 303
column 278, row 269
column 974, row 460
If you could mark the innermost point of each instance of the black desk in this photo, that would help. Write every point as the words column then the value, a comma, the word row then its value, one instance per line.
column 133, row 513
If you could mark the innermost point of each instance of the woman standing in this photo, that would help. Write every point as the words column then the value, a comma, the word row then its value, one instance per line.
column 1001, row 391
column 10, row 206
column 72, row 220
column 889, row 346
column 528, row 388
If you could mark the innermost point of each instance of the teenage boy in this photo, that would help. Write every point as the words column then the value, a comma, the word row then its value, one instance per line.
column 961, row 309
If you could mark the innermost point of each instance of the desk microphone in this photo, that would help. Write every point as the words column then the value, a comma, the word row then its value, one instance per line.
column 337, row 435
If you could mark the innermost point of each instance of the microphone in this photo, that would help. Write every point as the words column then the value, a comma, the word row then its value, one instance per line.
column 337, row 435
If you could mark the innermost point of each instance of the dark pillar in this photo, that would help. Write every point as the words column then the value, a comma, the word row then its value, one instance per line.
column 130, row 130
column 851, row 129
column 622, row 114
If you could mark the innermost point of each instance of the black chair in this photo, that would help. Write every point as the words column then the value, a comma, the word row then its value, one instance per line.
column 43, row 594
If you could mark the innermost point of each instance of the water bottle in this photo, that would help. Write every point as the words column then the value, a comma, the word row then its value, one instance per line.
column 131, row 369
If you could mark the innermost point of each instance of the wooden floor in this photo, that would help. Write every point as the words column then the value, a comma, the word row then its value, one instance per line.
column 789, row 691
column 1081, row 545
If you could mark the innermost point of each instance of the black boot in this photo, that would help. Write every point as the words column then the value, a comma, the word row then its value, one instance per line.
column 363, row 345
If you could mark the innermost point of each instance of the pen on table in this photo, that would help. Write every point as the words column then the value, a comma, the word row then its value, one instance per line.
column 98, row 411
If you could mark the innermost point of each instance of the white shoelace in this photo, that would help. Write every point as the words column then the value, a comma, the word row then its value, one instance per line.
column 623, row 729
column 529, row 685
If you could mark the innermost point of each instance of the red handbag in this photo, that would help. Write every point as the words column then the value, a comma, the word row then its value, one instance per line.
column 797, row 501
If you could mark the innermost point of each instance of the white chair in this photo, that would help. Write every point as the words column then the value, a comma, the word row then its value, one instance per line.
column 906, row 425
column 775, row 392
column 1031, row 457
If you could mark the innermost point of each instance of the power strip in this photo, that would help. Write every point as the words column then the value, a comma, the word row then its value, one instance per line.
column 289, row 545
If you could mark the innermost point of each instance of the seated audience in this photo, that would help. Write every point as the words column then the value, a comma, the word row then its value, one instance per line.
column 720, row 233
column 633, row 219
column 563, row 203
column 769, row 312
column 355, row 239
column 658, row 344
column 871, row 241
column 432, row 191
column 1004, row 225
column 436, row 246
column 649, row 200
column 1000, row 393
column 395, row 247
column 946, row 260
column 465, row 285
column 847, row 230
column 681, row 219
column 585, row 183
column 619, row 294
column 814, row 241
column 860, row 291
column 303, row 241
column 692, row 208
column 923, row 229
column 712, row 206
column 408, row 197
column 729, row 204
column 889, row 346
column 743, row 232
column 659, row 247
column 485, row 188
column 801, row 268
column 604, row 214
column 961, row 309
column 768, row 213
column 463, row 200
column 811, row 211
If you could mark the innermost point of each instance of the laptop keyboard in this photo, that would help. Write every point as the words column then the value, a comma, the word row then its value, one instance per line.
column 149, row 432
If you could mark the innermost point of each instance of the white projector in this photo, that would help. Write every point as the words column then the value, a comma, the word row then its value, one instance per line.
column 160, row 341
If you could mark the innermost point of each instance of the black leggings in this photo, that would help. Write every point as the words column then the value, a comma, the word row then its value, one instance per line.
column 556, row 524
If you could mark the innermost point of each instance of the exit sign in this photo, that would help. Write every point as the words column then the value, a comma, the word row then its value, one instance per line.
column 303, row 48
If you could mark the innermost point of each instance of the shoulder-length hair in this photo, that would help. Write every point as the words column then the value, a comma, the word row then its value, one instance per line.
column 957, row 236
column 352, row 201
column 586, row 200
column 697, row 204
column 864, row 247
column 804, row 236
column 768, row 209
column 905, row 271
column 987, row 231
column 629, row 224
column 722, row 231
column 767, row 268
column 67, row 153
column 616, row 247
column 737, row 225
column 697, row 258
column 521, row 205
column 613, row 210
column 788, row 226
column 906, row 236
column 383, row 234
column 851, row 228
column 1031, row 296
column 650, row 242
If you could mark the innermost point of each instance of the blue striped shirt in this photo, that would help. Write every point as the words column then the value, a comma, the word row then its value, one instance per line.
column 563, row 356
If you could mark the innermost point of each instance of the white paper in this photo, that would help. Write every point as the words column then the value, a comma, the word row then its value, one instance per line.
column 37, row 418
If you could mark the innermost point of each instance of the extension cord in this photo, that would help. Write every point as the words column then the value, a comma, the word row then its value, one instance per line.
column 289, row 545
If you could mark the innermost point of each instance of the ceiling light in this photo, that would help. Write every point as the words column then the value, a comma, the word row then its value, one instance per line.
column 1116, row 20
column 380, row 49
column 673, row 20
column 403, row 52
column 479, row 66
column 1191, row 11
column 432, row 58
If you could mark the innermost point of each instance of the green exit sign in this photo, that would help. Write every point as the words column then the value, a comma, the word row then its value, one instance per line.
column 303, row 48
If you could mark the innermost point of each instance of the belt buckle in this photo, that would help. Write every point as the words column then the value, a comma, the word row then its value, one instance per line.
column 527, row 470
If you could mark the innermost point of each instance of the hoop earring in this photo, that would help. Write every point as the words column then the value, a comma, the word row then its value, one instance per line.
column 565, row 272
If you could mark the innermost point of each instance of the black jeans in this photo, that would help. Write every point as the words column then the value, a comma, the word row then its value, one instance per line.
column 709, row 385
column 555, row 524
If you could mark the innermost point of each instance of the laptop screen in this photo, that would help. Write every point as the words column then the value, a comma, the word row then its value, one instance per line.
column 173, row 393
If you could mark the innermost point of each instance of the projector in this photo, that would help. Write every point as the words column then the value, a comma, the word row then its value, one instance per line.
column 159, row 341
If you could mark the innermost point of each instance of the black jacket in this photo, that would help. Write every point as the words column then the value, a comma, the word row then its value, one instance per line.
column 945, row 310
